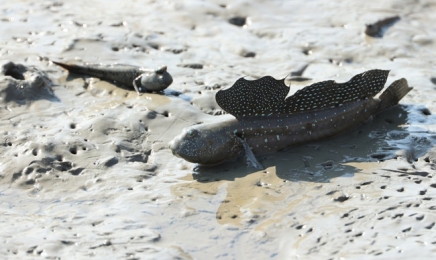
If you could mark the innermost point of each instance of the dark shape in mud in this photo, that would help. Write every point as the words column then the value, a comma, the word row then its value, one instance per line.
column 247, row 54
column 431, row 156
column 299, row 78
column 342, row 198
column 328, row 165
column 195, row 66
column 238, row 21
column 300, row 71
column 19, row 83
column 425, row 111
column 297, row 75
column 379, row 28
column 307, row 51
column 141, row 79
column 382, row 156
column 45, row 165
column 267, row 121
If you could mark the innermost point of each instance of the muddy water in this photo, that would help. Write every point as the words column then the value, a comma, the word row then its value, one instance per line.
column 86, row 172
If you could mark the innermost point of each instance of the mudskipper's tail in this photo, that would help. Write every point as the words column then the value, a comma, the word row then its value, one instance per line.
column 394, row 93
column 79, row 69
column 64, row 65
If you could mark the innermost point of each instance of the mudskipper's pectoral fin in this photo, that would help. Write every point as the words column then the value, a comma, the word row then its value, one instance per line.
column 136, row 86
column 249, row 156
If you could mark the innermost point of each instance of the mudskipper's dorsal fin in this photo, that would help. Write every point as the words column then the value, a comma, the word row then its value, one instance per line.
column 267, row 96
column 328, row 94
column 253, row 98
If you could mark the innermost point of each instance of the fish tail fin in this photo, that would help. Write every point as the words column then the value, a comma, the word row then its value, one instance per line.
column 62, row 65
column 394, row 93
column 73, row 68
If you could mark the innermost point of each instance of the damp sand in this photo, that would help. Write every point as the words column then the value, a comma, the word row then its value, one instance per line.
column 86, row 173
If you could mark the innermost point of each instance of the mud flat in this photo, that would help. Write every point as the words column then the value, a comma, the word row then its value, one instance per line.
column 86, row 172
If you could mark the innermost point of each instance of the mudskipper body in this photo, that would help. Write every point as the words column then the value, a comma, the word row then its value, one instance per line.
column 140, row 79
column 267, row 121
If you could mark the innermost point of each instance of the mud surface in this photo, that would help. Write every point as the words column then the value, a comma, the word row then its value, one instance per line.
column 86, row 172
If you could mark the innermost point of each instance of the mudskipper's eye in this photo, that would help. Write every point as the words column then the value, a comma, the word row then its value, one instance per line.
column 192, row 133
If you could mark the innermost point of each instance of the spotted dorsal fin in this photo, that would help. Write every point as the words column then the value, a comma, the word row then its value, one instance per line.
column 253, row 98
column 267, row 96
column 327, row 94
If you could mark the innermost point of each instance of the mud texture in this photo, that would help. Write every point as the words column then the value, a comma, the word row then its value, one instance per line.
column 86, row 172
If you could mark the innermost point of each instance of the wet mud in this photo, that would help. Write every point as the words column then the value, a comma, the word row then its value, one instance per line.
column 86, row 171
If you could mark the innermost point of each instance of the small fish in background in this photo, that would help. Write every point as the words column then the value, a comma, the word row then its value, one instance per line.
column 141, row 79
column 267, row 121
column 379, row 28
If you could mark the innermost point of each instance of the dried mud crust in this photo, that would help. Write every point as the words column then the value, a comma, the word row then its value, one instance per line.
column 19, row 83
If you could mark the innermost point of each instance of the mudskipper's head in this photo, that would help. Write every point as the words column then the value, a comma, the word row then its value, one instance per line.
column 206, row 145
column 157, row 80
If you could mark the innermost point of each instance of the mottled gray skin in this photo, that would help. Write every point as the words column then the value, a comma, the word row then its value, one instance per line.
column 215, row 143
column 140, row 79
column 218, row 142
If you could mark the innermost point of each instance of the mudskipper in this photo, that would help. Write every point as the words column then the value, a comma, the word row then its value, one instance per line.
column 140, row 79
column 266, row 121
